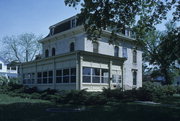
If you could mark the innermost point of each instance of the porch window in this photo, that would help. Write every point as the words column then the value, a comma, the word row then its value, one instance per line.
column 45, row 77
column 86, row 75
column 104, row 75
column 58, row 76
column 66, row 76
column 73, row 75
column 95, row 75
column 50, row 77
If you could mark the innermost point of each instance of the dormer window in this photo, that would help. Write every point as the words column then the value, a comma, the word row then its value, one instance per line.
column 128, row 32
column 52, row 31
column 53, row 51
column 73, row 23
column 72, row 47
column 116, row 51
column 46, row 53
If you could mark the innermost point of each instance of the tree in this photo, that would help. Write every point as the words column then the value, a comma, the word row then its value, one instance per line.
column 162, row 50
column 21, row 48
column 141, row 15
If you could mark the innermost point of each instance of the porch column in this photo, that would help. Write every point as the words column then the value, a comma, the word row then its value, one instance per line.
column 54, row 74
column 79, row 72
column 122, row 75
column 110, row 73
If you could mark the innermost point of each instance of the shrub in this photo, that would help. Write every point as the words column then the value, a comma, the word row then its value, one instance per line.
column 177, row 89
column 169, row 90
column 96, row 98
column 75, row 97
column 150, row 92
column 3, row 80
column 113, row 94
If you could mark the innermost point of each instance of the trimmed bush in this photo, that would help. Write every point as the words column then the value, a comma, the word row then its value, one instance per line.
column 149, row 92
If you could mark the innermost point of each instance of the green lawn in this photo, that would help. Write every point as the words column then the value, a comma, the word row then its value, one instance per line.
column 5, row 99
column 19, row 109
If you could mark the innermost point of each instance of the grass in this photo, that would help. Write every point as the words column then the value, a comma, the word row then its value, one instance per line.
column 172, row 100
column 5, row 99
column 19, row 109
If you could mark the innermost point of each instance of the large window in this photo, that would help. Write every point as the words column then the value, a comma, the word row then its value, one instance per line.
column 29, row 78
column 95, row 47
column 134, row 77
column 116, row 51
column 66, row 76
column 53, row 51
column 46, row 53
column 72, row 47
column 95, row 75
column 134, row 56
column 86, row 75
column 125, row 52
column 104, row 76
column 58, row 76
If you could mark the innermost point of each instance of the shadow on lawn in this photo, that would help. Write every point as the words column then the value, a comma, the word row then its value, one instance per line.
column 117, row 112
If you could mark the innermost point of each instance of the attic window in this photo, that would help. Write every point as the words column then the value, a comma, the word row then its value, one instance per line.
column 52, row 31
column 62, row 27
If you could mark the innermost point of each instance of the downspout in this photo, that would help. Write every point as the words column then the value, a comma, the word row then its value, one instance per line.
column 110, row 74
column 54, row 72
column 122, row 76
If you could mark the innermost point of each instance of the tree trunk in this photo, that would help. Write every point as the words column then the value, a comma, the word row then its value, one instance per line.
column 166, row 75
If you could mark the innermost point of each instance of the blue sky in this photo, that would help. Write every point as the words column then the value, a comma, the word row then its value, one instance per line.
column 33, row 16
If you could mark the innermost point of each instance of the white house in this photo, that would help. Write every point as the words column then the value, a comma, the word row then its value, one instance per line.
column 6, row 70
column 72, row 62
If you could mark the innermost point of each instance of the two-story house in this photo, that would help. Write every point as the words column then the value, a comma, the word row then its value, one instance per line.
column 7, row 70
column 72, row 62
